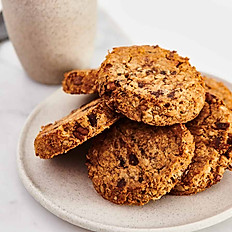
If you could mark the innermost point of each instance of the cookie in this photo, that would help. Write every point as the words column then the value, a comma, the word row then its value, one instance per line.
column 220, row 90
column 74, row 129
column 152, row 85
column 80, row 81
column 146, row 83
column 212, row 131
column 133, row 163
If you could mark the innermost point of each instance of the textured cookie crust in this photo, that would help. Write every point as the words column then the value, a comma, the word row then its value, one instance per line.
column 80, row 81
column 133, row 163
column 74, row 129
column 220, row 90
column 212, row 131
column 151, row 84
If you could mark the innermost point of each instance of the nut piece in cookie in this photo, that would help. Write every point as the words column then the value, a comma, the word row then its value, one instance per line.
column 212, row 131
column 152, row 85
column 80, row 81
column 219, row 90
column 133, row 163
column 74, row 129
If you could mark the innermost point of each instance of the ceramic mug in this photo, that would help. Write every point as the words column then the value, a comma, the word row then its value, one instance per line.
column 52, row 36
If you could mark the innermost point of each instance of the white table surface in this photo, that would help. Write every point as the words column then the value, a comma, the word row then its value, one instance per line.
column 197, row 29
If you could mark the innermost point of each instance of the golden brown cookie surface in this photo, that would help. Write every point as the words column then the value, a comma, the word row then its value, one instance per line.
column 74, row 129
column 80, row 81
column 212, row 132
column 133, row 163
column 220, row 90
column 152, row 85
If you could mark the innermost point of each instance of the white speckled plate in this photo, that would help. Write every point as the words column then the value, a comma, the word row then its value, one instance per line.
column 62, row 186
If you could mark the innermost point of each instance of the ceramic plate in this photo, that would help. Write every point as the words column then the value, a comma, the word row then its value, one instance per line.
column 62, row 186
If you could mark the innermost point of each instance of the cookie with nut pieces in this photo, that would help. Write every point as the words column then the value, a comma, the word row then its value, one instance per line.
column 74, row 129
column 218, row 89
column 133, row 163
column 80, row 81
column 148, row 84
column 212, row 132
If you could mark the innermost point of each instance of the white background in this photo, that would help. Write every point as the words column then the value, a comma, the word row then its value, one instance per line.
column 198, row 29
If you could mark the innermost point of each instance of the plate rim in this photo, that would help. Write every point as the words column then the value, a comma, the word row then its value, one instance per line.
column 90, row 224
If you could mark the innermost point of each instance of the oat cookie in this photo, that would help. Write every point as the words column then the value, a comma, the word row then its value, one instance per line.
column 133, row 163
column 147, row 83
column 80, row 81
column 74, row 129
column 212, row 131
column 151, row 84
column 220, row 90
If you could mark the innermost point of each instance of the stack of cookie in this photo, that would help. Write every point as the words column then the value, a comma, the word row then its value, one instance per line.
column 170, row 128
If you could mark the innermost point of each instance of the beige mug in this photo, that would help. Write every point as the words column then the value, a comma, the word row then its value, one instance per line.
column 52, row 36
